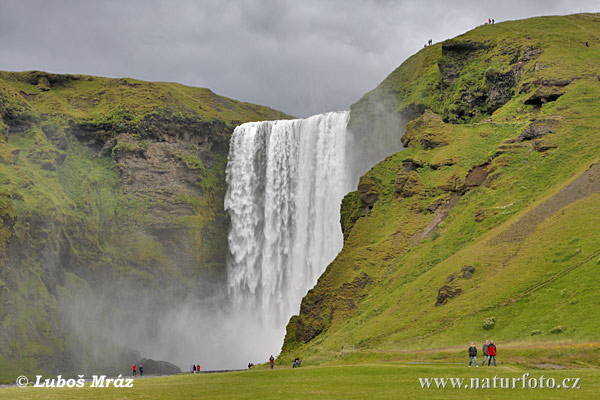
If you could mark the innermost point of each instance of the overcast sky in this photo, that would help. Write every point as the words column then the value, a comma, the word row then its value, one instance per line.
column 299, row 56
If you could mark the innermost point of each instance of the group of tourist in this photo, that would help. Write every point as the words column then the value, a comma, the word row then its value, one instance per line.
column 489, row 353
column 296, row 363
column 140, row 368
column 195, row 369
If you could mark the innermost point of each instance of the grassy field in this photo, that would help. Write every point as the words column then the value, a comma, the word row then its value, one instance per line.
column 370, row 381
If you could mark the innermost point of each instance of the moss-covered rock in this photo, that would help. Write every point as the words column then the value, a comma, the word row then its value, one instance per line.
column 109, row 187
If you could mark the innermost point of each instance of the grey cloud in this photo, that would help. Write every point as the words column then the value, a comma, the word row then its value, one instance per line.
column 301, row 57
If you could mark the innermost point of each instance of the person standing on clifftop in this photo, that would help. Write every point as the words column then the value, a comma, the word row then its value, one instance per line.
column 271, row 361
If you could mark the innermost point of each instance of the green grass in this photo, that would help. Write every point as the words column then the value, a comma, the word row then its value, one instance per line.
column 564, row 56
column 124, row 101
column 531, row 278
column 369, row 381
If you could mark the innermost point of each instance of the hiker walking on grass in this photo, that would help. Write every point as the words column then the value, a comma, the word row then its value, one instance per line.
column 491, row 350
column 484, row 351
column 473, row 355
column 141, row 370
column 198, row 368
column 133, row 367
column 271, row 361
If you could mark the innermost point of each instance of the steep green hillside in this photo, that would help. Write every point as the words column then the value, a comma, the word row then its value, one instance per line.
column 487, row 225
column 105, row 183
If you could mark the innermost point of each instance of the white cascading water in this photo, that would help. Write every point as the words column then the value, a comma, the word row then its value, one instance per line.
column 286, row 182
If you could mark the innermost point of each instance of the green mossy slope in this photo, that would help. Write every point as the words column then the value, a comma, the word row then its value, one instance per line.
column 105, row 182
column 487, row 225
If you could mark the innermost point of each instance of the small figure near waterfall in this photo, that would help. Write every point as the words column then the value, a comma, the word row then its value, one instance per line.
column 198, row 368
column 133, row 367
column 271, row 361
column 141, row 370
column 297, row 363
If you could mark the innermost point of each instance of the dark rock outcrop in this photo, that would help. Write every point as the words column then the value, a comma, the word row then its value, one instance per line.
column 537, row 129
column 462, row 47
column 456, row 54
column 305, row 332
column 501, row 86
column 445, row 293
column 317, row 307
column 155, row 367
column 45, row 80
column 544, row 95
column 411, row 165
column 425, row 130
column 408, row 184
column 468, row 271
column 309, row 323
column 487, row 90
column 454, row 184
column 368, row 193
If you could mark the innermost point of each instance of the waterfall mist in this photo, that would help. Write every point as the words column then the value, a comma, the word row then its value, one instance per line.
column 286, row 180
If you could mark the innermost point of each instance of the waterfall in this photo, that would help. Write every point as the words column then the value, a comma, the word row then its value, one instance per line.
column 286, row 180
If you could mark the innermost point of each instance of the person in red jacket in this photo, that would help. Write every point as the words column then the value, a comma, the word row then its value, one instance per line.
column 271, row 361
column 198, row 368
column 133, row 367
column 491, row 350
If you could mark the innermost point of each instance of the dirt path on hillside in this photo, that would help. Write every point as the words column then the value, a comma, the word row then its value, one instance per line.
column 584, row 186
column 505, row 345
column 571, row 20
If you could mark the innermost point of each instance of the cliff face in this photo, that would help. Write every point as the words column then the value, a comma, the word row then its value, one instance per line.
column 110, row 188
column 484, row 226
